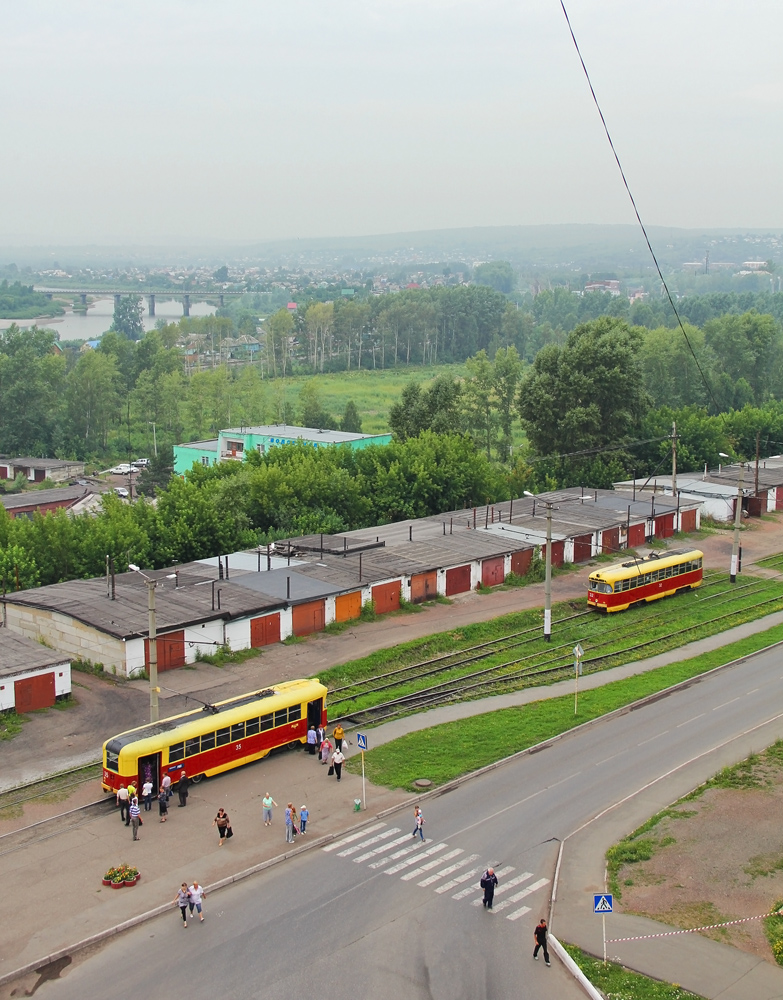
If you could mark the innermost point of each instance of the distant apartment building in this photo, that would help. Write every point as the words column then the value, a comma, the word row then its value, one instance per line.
column 610, row 285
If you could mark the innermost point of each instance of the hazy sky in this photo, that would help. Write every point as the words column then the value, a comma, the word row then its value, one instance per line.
column 159, row 120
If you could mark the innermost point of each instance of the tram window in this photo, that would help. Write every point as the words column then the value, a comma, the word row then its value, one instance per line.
column 112, row 762
column 237, row 731
column 281, row 717
column 223, row 736
column 176, row 751
column 207, row 742
column 192, row 746
column 698, row 564
column 294, row 713
column 251, row 727
column 265, row 722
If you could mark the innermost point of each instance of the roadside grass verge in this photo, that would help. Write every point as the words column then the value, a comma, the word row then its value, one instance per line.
column 608, row 640
column 11, row 724
column 617, row 982
column 442, row 753
column 772, row 562
column 225, row 654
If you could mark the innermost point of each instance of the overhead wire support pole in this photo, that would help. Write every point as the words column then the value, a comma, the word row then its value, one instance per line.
column 737, row 520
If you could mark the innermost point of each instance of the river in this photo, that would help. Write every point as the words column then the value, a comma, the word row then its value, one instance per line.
column 97, row 319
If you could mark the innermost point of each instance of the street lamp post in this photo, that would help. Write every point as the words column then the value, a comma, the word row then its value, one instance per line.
column 153, row 639
column 737, row 521
column 548, row 563
column 154, row 438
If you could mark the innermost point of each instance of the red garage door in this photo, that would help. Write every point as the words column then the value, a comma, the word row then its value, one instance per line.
column 170, row 648
column 779, row 498
column 31, row 693
column 308, row 618
column 688, row 520
column 424, row 586
column 457, row 580
column 610, row 541
column 664, row 526
column 386, row 597
column 583, row 548
column 520, row 561
column 492, row 571
column 558, row 553
column 637, row 534
column 264, row 631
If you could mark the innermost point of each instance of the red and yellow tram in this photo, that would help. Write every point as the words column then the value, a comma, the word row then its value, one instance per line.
column 216, row 737
column 644, row 579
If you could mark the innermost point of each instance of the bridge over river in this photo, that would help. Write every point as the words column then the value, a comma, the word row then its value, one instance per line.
column 193, row 295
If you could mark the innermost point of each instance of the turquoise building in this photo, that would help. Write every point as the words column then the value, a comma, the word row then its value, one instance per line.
column 235, row 442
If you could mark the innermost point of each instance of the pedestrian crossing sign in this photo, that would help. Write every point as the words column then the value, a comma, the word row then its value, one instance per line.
column 602, row 902
column 361, row 741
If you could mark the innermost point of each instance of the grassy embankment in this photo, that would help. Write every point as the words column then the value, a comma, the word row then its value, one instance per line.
column 618, row 983
column 484, row 739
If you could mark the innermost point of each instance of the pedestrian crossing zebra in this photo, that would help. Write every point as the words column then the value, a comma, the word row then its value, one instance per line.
column 428, row 866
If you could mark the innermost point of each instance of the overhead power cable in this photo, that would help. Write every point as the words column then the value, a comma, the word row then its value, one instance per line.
column 707, row 385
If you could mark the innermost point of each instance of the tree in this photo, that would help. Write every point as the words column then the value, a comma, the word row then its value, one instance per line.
column 437, row 408
column 586, row 395
column 312, row 412
column 221, row 274
column 157, row 474
column 498, row 274
column 128, row 314
column 351, row 421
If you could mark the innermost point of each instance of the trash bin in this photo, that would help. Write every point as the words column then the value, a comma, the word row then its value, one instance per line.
column 357, row 805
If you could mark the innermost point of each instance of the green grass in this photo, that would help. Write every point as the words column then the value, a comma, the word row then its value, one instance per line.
column 484, row 739
column 11, row 724
column 772, row 562
column 773, row 928
column 661, row 625
column 225, row 654
column 619, row 983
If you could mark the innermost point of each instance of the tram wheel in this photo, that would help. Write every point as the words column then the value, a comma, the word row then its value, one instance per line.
column 197, row 778
column 295, row 745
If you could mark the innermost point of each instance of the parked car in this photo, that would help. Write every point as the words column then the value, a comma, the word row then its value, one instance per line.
column 121, row 492
column 121, row 470
column 140, row 463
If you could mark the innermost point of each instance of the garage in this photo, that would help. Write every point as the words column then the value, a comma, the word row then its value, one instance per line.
column 170, row 650
column 386, row 597
column 558, row 553
column 610, row 541
column 637, row 534
column 308, row 618
column 492, row 571
column 32, row 677
column 264, row 630
column 32, row 693
column 457, row 580
column 520, row 561
column 424, row 586
column 583, row 548
column 688, row 520
column 664, row 525
column 348, row 606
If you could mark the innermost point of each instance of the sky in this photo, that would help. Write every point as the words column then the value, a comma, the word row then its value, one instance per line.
column 160, row 121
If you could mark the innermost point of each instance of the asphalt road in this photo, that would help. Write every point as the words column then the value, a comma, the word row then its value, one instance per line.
column 330, row 923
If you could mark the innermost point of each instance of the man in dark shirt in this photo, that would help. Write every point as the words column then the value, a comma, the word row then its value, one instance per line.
column 539, row 936
column 488, row 882
column 182, row 788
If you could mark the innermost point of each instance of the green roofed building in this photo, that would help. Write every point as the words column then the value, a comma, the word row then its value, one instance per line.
column 235, row 442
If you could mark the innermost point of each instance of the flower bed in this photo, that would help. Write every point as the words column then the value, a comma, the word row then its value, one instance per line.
column 121, row 875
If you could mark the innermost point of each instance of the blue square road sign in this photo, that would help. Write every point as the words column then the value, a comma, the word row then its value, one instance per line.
column 602, row 902
column 361, row 741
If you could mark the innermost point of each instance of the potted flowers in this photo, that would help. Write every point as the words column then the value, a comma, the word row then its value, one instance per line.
column 121, row 875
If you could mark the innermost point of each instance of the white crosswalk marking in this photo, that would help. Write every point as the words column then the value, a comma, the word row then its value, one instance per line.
column 518, row 913
column 366, row 843
column 399, row 854
column 382, row 849
column 448, row 871
column 476, row 888
column 354, row 836
column 507, row 886
column 460, row 878
column 534, row 887
column 431, row 864
column 412, row 861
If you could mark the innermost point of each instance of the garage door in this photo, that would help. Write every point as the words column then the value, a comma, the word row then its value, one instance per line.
column 637, row 534
column 170, row 648
column 779, row 498
column 386, row 597
column 31, row 693
column 492, row 571
column 610, row 541
column 457, row 580
column 424, row 586
column 688, row 520
column 264, row 631
column 583, row 548
column 664, row 526
column 308, row 618
column 348, row 606
column 520, row 561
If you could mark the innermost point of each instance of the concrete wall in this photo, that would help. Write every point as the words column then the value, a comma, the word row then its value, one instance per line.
column 73, row 638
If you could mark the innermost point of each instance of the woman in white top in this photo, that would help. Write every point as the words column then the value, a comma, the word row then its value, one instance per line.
column 197, row 893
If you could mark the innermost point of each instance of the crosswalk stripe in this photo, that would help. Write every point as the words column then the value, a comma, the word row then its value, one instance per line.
column 507, row 886
column 431, row 864
column 448, row 871
column 459, row 879
column 476, row 888
column 412, row 861
column 521, row 895
column 398, row 854
column 382, row 848
column 367, row 843
column 518, row 913
column 354, row 836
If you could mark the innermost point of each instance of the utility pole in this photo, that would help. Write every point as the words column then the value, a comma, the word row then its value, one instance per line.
column 153, row 638
column 758, row 442
column 737, row 518
column 674, row 459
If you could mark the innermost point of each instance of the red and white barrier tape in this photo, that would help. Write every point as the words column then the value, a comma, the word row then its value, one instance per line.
column 694, row 930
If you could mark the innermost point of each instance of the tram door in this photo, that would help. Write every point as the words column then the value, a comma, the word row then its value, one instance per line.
column 314, row 710
column 149, row 770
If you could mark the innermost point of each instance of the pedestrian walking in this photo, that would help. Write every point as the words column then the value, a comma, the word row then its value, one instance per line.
column 163, row 806
column 182, row 899
column 146, row 794
column 311, row 740
column 320, row 735
column 166, row 785
column 267, row 802
column 488, row 883
column 131, row 792
column 294, row 826
column 289, row 823
column 540, row 938
column 123, row 801
column 304, row 815
column 223, row 824
column 135, row 818
column 418, row 823
column 338, row 734
column 182, row 789
column 338, row 757
column 326, row 749
column 196, row 894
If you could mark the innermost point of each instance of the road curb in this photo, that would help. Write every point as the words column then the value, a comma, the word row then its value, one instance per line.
column 573, row 969
column 141, row 918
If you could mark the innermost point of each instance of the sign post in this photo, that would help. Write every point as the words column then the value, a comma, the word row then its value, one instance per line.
column 602, row 903
column 361, row 742
column 578, row 654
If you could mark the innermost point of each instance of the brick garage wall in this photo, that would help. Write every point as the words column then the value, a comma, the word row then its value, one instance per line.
column 73, row 638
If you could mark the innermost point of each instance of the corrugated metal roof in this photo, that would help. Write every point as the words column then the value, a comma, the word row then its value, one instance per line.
column 19, row 655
